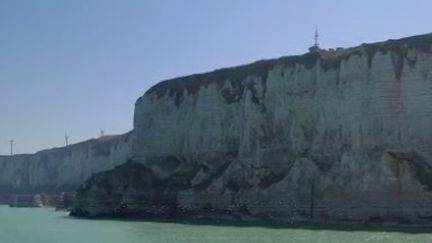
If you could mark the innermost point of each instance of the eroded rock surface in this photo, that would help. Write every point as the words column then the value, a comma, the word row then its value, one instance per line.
column 334, row 135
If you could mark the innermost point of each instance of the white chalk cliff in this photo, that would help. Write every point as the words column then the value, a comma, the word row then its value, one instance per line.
column 61, row 169
column 331, row 135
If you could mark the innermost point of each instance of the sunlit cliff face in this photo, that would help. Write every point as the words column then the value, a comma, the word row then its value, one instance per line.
column 328, row 135
column 61, row 169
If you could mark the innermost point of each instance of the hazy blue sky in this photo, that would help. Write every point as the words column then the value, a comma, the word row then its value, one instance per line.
column 78, row 66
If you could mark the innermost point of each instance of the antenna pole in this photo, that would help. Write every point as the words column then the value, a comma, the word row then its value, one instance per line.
column 11, row 146
column 67, row 140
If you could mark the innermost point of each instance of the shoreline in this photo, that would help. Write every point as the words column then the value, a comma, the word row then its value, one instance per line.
column 278, row 224
column 273, row 224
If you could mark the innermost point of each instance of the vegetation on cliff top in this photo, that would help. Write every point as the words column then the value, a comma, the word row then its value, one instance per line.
column 328, row 60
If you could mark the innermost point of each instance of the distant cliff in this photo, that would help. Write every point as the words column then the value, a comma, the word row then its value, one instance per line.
column 60, row 169
column 333, row 135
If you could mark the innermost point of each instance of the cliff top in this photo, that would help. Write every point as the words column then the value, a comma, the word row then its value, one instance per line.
column 82, row 144
column 329, row 59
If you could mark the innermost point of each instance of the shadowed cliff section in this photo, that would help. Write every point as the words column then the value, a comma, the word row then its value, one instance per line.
column 129, row 190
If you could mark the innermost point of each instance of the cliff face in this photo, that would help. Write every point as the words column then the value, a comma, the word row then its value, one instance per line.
column 343, row 135
column 61, row 169
column 34, row 200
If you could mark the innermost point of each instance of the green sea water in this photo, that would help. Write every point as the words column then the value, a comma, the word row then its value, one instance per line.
column 45, row 225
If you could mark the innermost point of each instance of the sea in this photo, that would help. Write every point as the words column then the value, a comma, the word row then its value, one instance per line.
column 45, row 225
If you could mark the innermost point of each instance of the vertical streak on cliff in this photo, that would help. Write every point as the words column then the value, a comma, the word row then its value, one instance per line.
column 312, row 199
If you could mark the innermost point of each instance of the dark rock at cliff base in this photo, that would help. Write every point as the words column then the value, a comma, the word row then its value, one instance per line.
column 133, row 190
column 66, row 201
column 129, row 190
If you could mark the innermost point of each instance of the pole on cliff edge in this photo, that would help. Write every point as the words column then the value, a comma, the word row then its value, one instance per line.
column 66, row 140
column 11, row 146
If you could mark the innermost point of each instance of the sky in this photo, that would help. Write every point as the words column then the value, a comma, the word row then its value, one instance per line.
column 78, row 66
